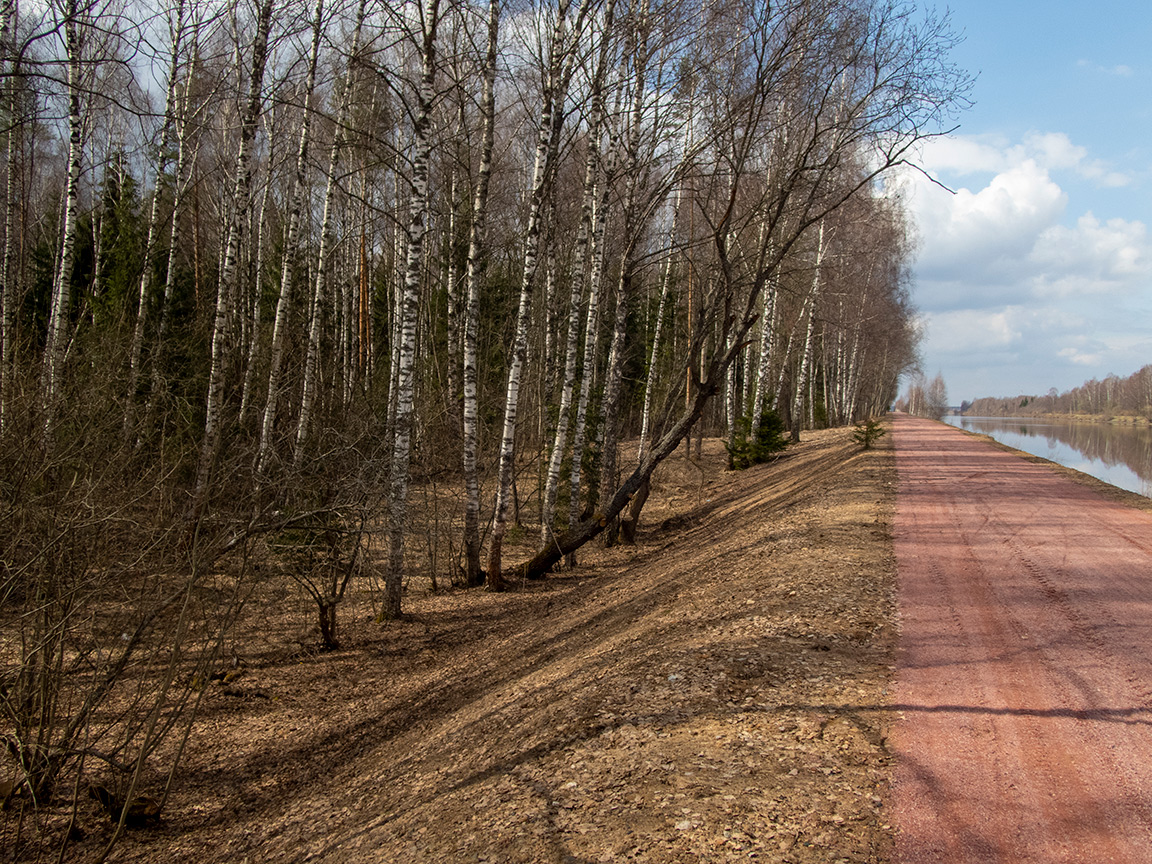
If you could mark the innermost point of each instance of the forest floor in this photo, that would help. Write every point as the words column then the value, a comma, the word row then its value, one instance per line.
column 717, row 692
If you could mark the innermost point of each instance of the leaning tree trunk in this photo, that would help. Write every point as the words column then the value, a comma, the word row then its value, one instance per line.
column 581, row 533
column 472, row 571
column 226, row 290
column 547, row 144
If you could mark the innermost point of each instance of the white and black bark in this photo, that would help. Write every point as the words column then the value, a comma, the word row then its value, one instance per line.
column 290, row 261
column 409, row 311
column 9, row 68
column 155, row 226
column 547, row 145
column 56, row 346
column 327, row 244
column 473, row 273
column 805, row 366
column 224, row 319
column 580, row 267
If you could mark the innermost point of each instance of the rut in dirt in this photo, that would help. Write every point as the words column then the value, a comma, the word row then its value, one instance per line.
column 1025, row 663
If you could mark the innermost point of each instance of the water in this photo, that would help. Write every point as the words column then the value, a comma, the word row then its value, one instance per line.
column 1120, row 455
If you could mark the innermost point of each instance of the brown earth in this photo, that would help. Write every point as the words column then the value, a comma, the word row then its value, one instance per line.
column 1025, row 659
column 715, row 693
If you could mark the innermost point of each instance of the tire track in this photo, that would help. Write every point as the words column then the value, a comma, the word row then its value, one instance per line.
column 1026, row 733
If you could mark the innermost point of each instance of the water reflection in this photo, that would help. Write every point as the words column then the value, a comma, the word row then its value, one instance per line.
column 1120, row 455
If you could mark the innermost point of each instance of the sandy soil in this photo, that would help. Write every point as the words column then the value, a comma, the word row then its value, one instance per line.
column 1025, row 659
column 715, row 693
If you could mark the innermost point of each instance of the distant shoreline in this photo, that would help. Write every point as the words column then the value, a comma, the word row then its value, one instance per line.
column 1113, row 419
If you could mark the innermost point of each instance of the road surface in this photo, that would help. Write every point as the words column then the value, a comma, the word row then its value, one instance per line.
column 1024, row 677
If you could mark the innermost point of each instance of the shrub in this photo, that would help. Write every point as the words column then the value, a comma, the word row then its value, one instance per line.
column 747, row 450
column 868, row 432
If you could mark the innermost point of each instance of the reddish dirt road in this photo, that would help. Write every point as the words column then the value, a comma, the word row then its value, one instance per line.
column 1024, row 675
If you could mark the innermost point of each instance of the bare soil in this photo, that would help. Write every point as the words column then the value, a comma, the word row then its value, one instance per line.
column 717, row 692
column 1025, row 659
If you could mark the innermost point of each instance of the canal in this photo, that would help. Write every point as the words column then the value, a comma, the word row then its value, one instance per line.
column 1120, row 455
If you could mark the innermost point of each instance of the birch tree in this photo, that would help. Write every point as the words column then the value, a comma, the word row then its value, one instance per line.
column 473, row 274
column 429, row 21
column 580, row 267
column 56, row 345
column 223, row 321
column 291, row 243
column 327, row 243
column 804, row 368
column 9, row 70
column 177, row 25
column 901, row 87
column 558, row 72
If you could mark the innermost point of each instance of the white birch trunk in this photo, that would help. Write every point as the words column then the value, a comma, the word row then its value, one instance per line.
column 614, row 377
column 163, row 160
column 547, row 143
column 184, row 157
column 591, row 337
column 8, row 21
column 327, row 241
column 403, row 397
column 226, row 289
column 472, row 570
column 665, row 281
column 591, row 168
column 57, row 343
column 764, row 365
column 806, row 361
column 291, row 258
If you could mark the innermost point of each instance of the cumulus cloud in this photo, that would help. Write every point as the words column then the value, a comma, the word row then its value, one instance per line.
column 1006, row 238
column 1092, row 257
column 1017, row 278
column 1080, row 358
column 965, row 155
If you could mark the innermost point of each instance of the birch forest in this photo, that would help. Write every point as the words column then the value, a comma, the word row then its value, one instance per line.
column 355, row 294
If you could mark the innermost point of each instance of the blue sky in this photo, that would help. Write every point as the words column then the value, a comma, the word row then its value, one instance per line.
column 1037, row 272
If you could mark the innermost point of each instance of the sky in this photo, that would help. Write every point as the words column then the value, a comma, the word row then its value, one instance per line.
column 1035, row 270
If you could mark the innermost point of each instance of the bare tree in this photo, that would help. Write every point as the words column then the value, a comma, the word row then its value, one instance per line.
column 557, row 75
column 222, row 327
column 429, row 21
column 476, row 239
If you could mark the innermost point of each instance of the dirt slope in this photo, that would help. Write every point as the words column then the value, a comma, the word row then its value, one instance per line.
column 714, row 694
column 1025, row 660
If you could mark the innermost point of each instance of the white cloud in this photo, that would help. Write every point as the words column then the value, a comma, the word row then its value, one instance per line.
column 1075, row 355
column 1092, row 257
column 964, row 155
column 1120, row 70
column 973, row 330
column 1007, row 240
column 985, row 235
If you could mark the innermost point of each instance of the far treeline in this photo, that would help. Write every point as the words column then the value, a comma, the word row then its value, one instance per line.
column 1112, row 397
column 346, row 290
column 924, row 398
